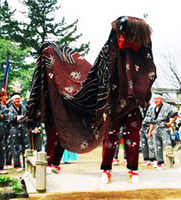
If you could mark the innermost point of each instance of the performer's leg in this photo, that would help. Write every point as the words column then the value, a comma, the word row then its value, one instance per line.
column 53, row 148
column 50, row 145
column 144, row 143
column 58, row 154
column 2, row 150
column 109, row 146
column 158, row 145
column 132, row 143
column 8, row 146
column 132, row 139
column 25, row 142
column 151, row 149
column 14, row 147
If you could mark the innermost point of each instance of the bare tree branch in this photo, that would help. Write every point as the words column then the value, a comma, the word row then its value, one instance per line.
column 170, row 70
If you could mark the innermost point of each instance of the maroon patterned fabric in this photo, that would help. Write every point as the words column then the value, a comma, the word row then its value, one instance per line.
column 57, row 99
column 82, row 101
column 131, row 125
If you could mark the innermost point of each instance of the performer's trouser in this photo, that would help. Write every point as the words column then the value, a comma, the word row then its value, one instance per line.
column 131, row 137
column 162, row 139
column 8, row 145
column 147, row 146
column 53, row 148
column 19, row 143
column 2, row 147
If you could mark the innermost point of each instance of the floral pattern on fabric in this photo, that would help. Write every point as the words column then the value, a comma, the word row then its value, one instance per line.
column 96, row 133
column 152, row 75
column 84, row 145
column 83, row 92
column 70, row 89
column 75, row 75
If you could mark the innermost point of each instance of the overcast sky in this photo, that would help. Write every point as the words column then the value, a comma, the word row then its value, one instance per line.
column 95, row 17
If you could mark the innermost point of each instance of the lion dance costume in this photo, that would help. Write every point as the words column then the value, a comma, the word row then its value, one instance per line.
column 80, row 103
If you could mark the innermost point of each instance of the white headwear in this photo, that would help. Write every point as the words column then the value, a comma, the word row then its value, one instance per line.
column 15, row 96
column 158, row 96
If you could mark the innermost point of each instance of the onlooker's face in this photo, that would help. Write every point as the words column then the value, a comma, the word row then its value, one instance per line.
column 4, row 98
column 16, row 101
column 158, row 101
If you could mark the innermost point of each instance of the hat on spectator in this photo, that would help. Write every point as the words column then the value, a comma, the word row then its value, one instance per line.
column 15, row 95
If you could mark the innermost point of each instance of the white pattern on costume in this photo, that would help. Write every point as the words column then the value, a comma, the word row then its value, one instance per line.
column 84, row 145
column 137, row 68
column 75, row 75
column 151, row 75
column 134, row 124
column 52, row 60
column 123, row 103
column 50, row 75
column 80, row 58
column 127, row 67
column 148, row 55
column 109, row 144
column 130, row 83
column 96, row 133
column 69, row 88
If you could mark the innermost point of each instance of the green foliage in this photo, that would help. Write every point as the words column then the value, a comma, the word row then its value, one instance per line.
column 43, row 27
column 18, row 70
column 178, row 106
column 19, row 40
column 5, row 179
column 10, row 28
column 17, row 188
column 16, row 54
column 24, row 75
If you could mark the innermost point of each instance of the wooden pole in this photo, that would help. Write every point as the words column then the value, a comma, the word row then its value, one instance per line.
column 41, row 161
column 28, row 152
column 169, row 156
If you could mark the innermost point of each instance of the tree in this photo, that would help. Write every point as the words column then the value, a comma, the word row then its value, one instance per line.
column 18, row 38
column 171, row 70
column 42, row 26
column 10, row 28
column 18, row 69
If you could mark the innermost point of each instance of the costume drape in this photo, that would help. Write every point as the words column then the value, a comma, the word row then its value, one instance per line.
column 82, row 100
